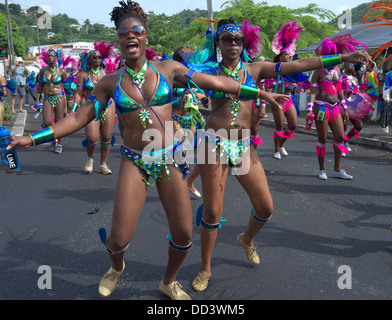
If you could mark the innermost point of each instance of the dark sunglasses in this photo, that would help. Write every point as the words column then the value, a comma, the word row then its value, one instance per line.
column 228, row 40
column 96, row 57
column 137, row 31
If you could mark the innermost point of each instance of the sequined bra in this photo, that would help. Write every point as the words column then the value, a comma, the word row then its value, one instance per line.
column 162, row 95
column 58, row 80
column 89, row 85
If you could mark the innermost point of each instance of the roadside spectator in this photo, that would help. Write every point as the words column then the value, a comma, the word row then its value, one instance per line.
column 19, row 73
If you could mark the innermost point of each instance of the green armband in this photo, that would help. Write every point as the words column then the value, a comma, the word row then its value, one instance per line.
column 43, row 136
column 74, row 107
column 248, row 93
column 329, row 61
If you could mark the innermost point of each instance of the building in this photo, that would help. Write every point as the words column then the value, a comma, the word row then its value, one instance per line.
column 73, row 49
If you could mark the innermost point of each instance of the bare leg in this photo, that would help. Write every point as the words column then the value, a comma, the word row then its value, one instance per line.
column 175, row 199
column 291, row 116
column 213, row 177
column 129, row 199
column 256, row 186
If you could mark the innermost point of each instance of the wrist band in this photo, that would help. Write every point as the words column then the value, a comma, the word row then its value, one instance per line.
column 310, row 106
column 74, row 107
column 344, row 104
column 248, row 93
column 329, row 61
column 263, row 103
column 38, row 97
column 278, row 67
column 43, row 136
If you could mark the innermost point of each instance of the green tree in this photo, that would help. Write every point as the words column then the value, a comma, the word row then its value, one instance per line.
column 18, row 40
column 271, row 18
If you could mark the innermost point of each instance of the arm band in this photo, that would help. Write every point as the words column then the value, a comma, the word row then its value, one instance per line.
column 344, row 104
column 248, row 93
column 43, row 136
column 99, row 114
column 329, row 61
column 38, row 97
column 310, row 106
column 74, row 107
column 263, row 103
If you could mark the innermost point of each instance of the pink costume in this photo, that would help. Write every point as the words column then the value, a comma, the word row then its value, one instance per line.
column 345, row 43
column 285, row 41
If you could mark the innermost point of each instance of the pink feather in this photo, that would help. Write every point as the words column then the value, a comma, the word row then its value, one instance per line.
column 253, row 42
column 344, row 43
column 106, row 51
column 286, row 38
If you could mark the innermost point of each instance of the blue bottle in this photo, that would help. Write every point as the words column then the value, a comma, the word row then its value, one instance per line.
column 9, row 158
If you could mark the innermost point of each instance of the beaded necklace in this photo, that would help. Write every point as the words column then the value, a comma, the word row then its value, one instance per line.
column 235, row 105
column 54, row 71
column 139, row 79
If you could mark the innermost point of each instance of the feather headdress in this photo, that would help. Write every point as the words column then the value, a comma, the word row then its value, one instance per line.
column 253, row 44
column 341, row 44
column 286, row 38
column 106, row 51
column 383, row 23
column 111, row 65
column 62, row 60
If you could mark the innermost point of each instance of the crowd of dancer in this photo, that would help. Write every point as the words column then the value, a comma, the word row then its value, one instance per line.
column 148, row 92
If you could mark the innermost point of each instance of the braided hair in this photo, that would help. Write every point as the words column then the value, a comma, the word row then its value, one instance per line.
column 128, row 9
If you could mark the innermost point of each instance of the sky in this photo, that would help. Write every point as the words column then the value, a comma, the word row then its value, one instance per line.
column 100, row 9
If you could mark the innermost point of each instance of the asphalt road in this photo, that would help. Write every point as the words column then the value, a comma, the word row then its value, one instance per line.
column 327, row 240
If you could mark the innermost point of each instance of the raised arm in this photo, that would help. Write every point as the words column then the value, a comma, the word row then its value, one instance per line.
column 271, row 70
column 87, row 113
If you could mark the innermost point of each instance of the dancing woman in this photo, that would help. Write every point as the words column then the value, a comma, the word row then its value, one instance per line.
column 359, row 104
column 142, row 92
column 325, row 97
column 182, row 117
column 93, row 70
column 234, row 116
column 50, row 80
column 284, row 45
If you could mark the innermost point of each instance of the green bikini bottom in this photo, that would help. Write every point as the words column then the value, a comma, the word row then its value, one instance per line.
column 154, row 163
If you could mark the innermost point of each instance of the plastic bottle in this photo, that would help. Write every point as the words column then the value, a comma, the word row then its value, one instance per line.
column 310, row 122
column 9, row 158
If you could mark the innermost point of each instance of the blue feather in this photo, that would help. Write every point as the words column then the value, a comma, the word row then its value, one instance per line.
column 102, row 235
column 199, row 214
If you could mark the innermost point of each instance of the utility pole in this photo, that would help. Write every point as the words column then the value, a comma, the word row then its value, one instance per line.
column 9, row 35
column 210, row 15
column 39, row 47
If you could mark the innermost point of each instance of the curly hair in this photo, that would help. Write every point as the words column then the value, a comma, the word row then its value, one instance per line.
column 128, row 9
